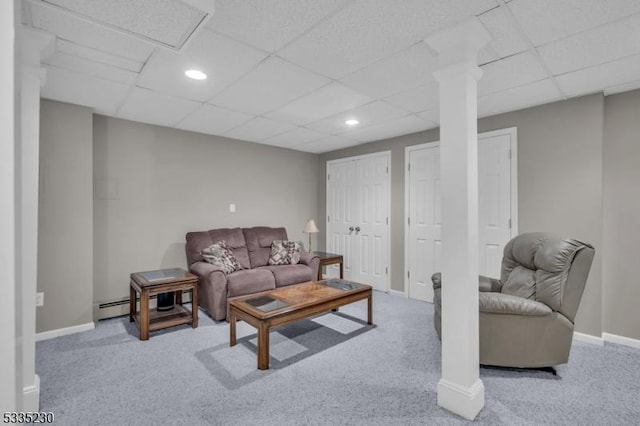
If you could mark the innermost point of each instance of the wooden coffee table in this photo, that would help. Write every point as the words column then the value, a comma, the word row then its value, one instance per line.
column 285, row 305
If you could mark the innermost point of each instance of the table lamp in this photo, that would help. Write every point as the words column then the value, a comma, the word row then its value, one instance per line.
column 310, row 228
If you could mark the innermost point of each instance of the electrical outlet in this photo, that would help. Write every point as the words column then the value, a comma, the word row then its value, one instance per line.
column 39, row 299
column 232, row 208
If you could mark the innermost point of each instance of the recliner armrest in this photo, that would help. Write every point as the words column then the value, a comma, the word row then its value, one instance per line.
column 436, row 279
column 498, row 303
column 484, row 283
column 488, row 284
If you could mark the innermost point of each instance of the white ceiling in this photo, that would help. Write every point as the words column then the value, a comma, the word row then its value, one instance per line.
column 289, row 73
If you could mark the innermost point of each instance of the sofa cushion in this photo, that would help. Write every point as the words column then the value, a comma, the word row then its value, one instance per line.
column 219, row 255
column 249, row 281
column 290, row 274
column 235, row 241
column 259, row 241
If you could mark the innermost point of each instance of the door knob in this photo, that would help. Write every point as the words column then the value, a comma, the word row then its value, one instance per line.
column 357, row 229
column 351, row 229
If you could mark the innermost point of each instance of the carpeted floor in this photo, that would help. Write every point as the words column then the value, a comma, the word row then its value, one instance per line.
column 330, row 370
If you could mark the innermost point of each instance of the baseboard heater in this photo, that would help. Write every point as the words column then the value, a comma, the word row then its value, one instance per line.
column 119, row 307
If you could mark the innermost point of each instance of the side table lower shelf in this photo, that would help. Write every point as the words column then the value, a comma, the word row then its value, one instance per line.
column 163, row 319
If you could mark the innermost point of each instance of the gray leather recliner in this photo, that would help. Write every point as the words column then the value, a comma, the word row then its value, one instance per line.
column 527, row 316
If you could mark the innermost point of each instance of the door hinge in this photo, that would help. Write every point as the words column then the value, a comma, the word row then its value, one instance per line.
column 409, row 167
column 328, row 219
column 409, row 221
column 387, row 220
column 509, row 223
column 409, row 274
column 509, row 154
column 329, row 177
column 386, row 270
column 387, row 169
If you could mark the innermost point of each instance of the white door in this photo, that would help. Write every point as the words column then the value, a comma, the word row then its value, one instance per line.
column 494, row 199
column 425, row 242
column 496, row 208
column 357, row 217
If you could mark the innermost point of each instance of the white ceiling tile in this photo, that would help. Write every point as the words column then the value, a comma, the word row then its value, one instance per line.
column 369, row 114
column 368, row 30
column 516, row 98
column 297, row 136
column 88, row 34
column 270, row 85
column 95, row 69
column 505, row 38
column 409, row 68
column 401, row 126
column 168, row 22
column 268, row 25
column 258, row 129
column 76, row 88
column 431, row 115
column 213, row 120
column 324, row 102
column 418, row 99
column 152, row 107
column 64, row 46
column 330, row 143
column 547, row 20
column 510, row 72
column 595, row 79
column 603, row 44
column 620, row 88
column 222, row 59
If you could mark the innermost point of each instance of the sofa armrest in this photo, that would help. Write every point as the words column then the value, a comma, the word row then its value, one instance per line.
column 312, row 261
column 484, row 283
column 307, row 258
column 203, row 269
column 498, row 303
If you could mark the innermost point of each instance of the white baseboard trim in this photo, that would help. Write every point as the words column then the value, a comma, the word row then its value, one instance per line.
column 46, row 335
column 31, row 396
column 621, row 340
column 588, row 338
column 465, row 402
column 398, row 293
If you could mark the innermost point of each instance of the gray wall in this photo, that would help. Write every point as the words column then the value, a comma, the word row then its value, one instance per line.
column 154, row 184
column 621, row 285
column 65, row 235
column 559, row 182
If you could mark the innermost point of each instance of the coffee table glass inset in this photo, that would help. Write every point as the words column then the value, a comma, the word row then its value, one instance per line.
column 287, row 304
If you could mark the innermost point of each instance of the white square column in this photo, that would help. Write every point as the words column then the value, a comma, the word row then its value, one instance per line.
column 460, row 389
column 33, row 46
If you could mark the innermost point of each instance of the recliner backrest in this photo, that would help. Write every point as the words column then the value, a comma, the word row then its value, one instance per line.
column 548, row 269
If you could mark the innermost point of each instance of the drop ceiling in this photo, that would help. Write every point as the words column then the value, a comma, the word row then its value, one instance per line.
column 289, row 73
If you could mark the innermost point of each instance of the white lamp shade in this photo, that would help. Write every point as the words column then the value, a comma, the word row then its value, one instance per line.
column 310, row 227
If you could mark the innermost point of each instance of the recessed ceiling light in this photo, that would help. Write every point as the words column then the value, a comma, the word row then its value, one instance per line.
column 351, row 122
column 195, row 74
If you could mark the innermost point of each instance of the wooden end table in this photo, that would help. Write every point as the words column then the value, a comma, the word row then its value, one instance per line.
column 149, row 283
column 329, row 259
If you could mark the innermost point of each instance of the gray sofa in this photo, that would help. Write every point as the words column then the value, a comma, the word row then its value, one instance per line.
column 251, row 247
column 527, row 316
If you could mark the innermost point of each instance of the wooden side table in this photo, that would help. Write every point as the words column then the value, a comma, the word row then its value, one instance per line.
column 147, row 284
column 329, row 259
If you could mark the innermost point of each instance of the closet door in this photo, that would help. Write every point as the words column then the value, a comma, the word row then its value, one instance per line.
column 497, row 201
column 358, row 216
